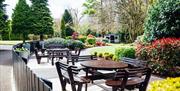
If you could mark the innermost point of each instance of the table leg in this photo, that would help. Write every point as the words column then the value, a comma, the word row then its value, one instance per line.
column 87, row 71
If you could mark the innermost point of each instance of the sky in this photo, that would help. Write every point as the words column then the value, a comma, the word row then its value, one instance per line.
column 56, row 7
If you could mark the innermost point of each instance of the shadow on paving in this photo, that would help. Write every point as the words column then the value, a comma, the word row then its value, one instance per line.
column 6, row 70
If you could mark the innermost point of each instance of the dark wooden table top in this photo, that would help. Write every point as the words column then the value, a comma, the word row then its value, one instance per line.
column 104, row 64
column 58, row 49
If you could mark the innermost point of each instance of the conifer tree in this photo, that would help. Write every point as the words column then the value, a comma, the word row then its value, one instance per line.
column 21, row 23
column 42, row 20
column 3, row 18
column 68, row 22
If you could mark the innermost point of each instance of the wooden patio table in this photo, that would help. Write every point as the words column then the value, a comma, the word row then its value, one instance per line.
column 57, row 53
column 102, row 65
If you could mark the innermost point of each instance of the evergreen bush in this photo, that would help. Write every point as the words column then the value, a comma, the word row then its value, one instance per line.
column 163, row 20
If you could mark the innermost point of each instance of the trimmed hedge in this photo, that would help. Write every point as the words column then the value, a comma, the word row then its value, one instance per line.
column 125, row 52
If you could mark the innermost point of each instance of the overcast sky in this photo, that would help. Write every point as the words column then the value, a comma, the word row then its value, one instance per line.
column 56, row 6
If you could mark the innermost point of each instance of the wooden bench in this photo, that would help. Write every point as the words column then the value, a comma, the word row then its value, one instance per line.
column 132, row 78
column 134, row 62
column 69, row 74
column 39, row 56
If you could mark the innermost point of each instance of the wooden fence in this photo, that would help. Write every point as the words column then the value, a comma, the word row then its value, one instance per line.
column 24, row 78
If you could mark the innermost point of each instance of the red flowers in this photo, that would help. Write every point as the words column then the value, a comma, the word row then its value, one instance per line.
column 145, row 50
column 165, row 41
column 75, row 35
column 100, row 43
column 90, row 36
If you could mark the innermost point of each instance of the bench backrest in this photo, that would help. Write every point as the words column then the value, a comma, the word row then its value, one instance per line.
column 144, row 73
column 67, row 72
column 86, row 58
column 134, row 62
column 58, row 53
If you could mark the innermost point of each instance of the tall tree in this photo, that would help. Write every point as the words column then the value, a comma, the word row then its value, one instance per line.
column 20, row 19
column 68, row 21
column 3, row 18
column 63, row 35
column 41, row 17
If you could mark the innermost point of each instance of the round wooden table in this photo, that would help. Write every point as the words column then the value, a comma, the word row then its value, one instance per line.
column 104, row 64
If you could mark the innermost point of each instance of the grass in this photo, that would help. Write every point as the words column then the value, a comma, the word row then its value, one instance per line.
column 110, row 49
column 10, row 42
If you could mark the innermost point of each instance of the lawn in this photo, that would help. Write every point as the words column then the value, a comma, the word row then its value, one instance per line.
column 110, row 49
column 10, row 42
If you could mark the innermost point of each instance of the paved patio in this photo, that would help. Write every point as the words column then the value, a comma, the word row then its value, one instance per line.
column 47, row 71
column 6, row 70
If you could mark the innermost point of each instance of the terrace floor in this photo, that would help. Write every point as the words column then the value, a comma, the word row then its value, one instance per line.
column 6, row 70
column 47, row 71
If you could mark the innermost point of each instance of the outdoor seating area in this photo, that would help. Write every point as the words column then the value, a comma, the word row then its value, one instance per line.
column 89, row 45
column 87, row 72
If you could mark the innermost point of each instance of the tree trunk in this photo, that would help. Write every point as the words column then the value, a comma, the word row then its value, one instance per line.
column 24, row 38
column 41, row 37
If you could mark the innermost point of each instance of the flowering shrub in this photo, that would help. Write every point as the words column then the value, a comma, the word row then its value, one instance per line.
column 90, row 36
column 75, row 35
column 169, row 84
column 98, row 43
column 82, row 38
column 163, row 55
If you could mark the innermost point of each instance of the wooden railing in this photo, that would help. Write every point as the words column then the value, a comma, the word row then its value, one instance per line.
column 24, row 78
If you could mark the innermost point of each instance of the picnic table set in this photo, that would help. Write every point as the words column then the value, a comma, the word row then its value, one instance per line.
column 124, row 74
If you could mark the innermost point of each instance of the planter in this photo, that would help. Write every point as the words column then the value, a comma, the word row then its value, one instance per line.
column 24, row 54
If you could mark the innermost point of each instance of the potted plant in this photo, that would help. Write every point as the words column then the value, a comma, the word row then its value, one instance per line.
column 23, row 52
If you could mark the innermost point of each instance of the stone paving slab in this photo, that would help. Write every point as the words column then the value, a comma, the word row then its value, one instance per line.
column 6, row 71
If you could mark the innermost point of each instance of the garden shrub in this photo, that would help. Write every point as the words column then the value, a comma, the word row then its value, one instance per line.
column 111, row 56
column 45, row 36
column 91, row 36
column 169, row 84
column 82, row 38
column 69, row 37
column 36, row 37
column 99, row 43
column 30, row 36
column 72, row 44
column 163, row 55
column 163, row 20
column 75, row 35
column 95, row 54
column 125, row 52
column 106, row 55
column 68, row 31
column 16, row 36
column 100, row 55
column 91, row 41
column 55, row 41
column 114, row 58
column 105, row 40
